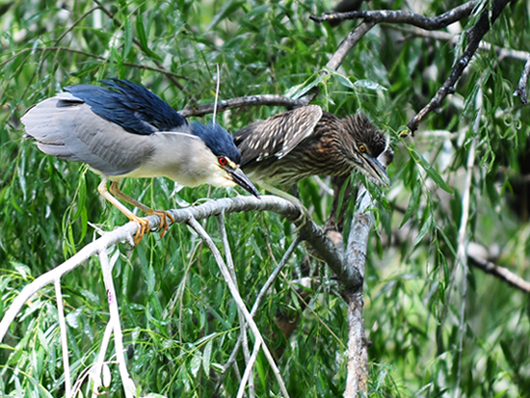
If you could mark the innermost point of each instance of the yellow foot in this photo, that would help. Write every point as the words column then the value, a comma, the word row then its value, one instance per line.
column 142, row 226
column 164, row 222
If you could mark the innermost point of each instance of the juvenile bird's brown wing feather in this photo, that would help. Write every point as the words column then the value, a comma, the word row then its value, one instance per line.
column 276, row 136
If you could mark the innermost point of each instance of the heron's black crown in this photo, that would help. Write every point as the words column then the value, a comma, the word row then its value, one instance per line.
column 220, row 142
column 139, row 111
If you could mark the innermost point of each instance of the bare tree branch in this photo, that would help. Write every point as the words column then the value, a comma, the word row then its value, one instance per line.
column 126, row 380
column 399, row 16
column 355, row 260
column 243, row 335
column 357, row 352
column 477, row 259
column 501, row 52
column 520, row 91
column 308, row 230
column 240, row 102
column 193, row 223
column 474, row 36
column 64, row 338
column 259, row 298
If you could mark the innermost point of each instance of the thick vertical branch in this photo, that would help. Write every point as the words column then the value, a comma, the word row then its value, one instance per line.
column 356, row 381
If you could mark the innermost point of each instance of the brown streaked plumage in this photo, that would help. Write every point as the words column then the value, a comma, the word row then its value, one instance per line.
column 306, row 141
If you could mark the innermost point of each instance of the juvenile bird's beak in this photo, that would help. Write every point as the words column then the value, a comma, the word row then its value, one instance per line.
column 242, row 180
column 377, row 170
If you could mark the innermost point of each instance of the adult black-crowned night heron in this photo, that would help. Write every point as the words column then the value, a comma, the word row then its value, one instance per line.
column 306, row 141
column 127, row 131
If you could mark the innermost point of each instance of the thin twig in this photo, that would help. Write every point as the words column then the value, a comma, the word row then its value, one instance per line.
column 476, row 258
column 240, row 102
column 68, row 30
column 400, row 16
column 248, row 369
column 474, row 36
column 64, row 339
column 95, row 370
column 106, row 269
column 259, row 298
column 193, row 223
column 502, row 52
column 242, row 323
column 490, row 268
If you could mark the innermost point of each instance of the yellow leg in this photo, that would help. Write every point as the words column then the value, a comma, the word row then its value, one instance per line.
column 164, row 215
column 142, row 225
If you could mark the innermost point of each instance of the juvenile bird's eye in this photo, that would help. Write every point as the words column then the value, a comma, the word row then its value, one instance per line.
column 223, row 161
column 362, row 148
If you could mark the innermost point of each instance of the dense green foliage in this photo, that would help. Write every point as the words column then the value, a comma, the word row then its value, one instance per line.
column 178, row 317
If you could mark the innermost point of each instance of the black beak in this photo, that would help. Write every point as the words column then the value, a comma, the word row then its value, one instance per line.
column 242, row 180
column 376, row 170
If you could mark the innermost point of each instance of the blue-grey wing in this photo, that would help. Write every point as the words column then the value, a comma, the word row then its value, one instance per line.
column 66, row 127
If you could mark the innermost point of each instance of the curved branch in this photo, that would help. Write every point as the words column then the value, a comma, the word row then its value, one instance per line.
column 474, row 35
column 399, row 16
column 309, row 231
column 475, row 254
column 240, row 102
column 502, row 52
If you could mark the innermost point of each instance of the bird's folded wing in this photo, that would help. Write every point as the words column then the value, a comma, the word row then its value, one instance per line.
column 277, row 135
column 66, row 127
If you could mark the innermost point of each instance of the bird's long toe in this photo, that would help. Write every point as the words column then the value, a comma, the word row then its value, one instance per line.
column 164, row 222
column 142, row 227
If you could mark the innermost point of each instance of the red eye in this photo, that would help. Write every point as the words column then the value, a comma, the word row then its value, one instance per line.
column 223, row 161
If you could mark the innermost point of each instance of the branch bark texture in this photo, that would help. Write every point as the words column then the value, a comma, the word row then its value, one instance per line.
column 240, row 102
column 357, row 352
column 406, row 17
column 474, row 36
column 309, row 231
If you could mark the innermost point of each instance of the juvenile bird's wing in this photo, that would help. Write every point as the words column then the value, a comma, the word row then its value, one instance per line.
column 277, row 135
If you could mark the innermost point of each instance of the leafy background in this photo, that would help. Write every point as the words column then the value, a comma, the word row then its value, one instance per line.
column 179, row 321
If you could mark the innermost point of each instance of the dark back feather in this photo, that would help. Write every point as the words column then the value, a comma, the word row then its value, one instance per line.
column 129, row 105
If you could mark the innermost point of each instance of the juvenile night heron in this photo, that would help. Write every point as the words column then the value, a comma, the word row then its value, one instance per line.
column 124, row 130
column 306, row 141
